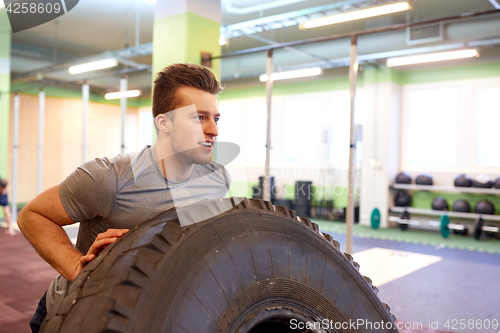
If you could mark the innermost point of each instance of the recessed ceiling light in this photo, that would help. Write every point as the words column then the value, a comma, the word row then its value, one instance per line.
column 356, row 15
column 431, row 57
column 93, row 66
column 292, row 74
column 119, row 94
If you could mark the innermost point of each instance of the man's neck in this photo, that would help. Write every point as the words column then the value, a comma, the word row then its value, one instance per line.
column 172, row 166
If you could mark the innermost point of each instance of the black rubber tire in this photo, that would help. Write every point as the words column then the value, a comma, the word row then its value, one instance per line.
column 250, row 266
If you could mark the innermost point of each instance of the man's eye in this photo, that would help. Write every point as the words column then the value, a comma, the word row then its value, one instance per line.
column 216, row 120
column 200, row 117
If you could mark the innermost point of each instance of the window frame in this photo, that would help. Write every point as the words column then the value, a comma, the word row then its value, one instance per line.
column 466, row 159
column 490, row 83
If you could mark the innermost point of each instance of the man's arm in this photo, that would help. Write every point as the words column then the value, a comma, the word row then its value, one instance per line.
column 41, row 223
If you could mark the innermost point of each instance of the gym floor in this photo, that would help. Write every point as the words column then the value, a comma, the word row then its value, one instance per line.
column 426, row 286
column 428, row 279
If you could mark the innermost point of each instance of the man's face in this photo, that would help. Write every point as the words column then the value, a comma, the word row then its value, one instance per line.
column 194, row 127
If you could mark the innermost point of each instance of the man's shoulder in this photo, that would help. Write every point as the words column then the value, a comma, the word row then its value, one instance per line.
column 218, row 166
column 119, row 164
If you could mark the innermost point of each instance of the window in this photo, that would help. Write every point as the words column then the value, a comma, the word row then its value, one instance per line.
column 308, row 130
column 255, row 133
column 303, row 128
column 339, row 130
column 432, row 127
column 244, row 122
column 488, row 121
column 145, row 129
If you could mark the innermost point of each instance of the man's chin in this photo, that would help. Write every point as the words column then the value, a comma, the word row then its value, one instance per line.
column 196, row 156
column 202, row 159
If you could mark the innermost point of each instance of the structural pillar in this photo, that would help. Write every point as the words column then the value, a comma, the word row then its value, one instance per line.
column 5, row 42
column 183, row 29
column 381, row 140
column 353, row 74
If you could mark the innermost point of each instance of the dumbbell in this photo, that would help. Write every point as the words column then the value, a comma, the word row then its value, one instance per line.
column 403, row 220
column 445, row 226
column 404, row 216
column 464, row 232
column 480, row 227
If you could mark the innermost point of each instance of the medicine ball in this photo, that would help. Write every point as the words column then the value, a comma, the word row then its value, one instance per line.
column 484, row 207
column 482, row 181
column 440, row 204
column 497, row 182
column 402, row 199
column 403, row 178
column 424, row 179
column 461, row 206
column 463, row 181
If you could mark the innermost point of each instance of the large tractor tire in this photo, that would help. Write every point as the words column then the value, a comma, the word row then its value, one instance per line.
column 250, row 269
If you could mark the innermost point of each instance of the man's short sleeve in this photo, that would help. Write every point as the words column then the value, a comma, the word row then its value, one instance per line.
column 90, row 190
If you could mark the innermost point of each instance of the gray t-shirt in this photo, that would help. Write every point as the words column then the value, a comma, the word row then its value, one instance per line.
column 124, row 191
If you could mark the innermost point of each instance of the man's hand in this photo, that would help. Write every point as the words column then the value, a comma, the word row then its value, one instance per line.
column 100, row 243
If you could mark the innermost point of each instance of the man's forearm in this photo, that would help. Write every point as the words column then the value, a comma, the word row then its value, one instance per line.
column 51, row 242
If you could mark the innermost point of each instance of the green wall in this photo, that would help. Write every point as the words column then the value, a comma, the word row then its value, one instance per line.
column 370, row 75
column 467, row 72
column 280, row 88
column 33, row 89
column 5, row 46
column 424, row 199
column 184, row 36
column 4, row 122
column 381, row 74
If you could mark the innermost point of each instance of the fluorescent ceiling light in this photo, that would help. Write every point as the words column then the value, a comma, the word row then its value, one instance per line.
column 92, row 66
column 222, row 40
column 431, row 57
column 151, row 1
column 118, row 95
column 356, row 15
column 292, row 74
column 261, row 6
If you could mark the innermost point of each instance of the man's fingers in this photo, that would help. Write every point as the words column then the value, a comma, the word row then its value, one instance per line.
column 100, row 244
column 111, row 233
column 86, row 259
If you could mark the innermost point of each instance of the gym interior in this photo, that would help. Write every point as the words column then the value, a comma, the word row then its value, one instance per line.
column 377, row 120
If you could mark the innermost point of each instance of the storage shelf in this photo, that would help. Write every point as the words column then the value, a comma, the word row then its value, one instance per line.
column 434, row 188
column 423, row 211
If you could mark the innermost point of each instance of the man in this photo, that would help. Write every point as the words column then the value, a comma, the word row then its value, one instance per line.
column 110, row 196
column 4, row 202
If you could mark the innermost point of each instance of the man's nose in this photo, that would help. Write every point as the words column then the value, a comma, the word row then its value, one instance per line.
column 210, row 128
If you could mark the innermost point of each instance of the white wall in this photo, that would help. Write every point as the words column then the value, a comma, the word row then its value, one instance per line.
column 381, row 148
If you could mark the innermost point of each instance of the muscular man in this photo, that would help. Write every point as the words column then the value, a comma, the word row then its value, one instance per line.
column 110, row 196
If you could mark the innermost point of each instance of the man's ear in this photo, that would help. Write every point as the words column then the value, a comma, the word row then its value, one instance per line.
column 163, row 123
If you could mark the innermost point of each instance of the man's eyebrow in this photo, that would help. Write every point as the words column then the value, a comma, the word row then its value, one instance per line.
column 206, row 112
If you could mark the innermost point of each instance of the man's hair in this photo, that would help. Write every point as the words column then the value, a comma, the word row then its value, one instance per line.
column 175, row 76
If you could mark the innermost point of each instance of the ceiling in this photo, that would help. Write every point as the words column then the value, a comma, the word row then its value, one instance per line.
column 94, row 27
